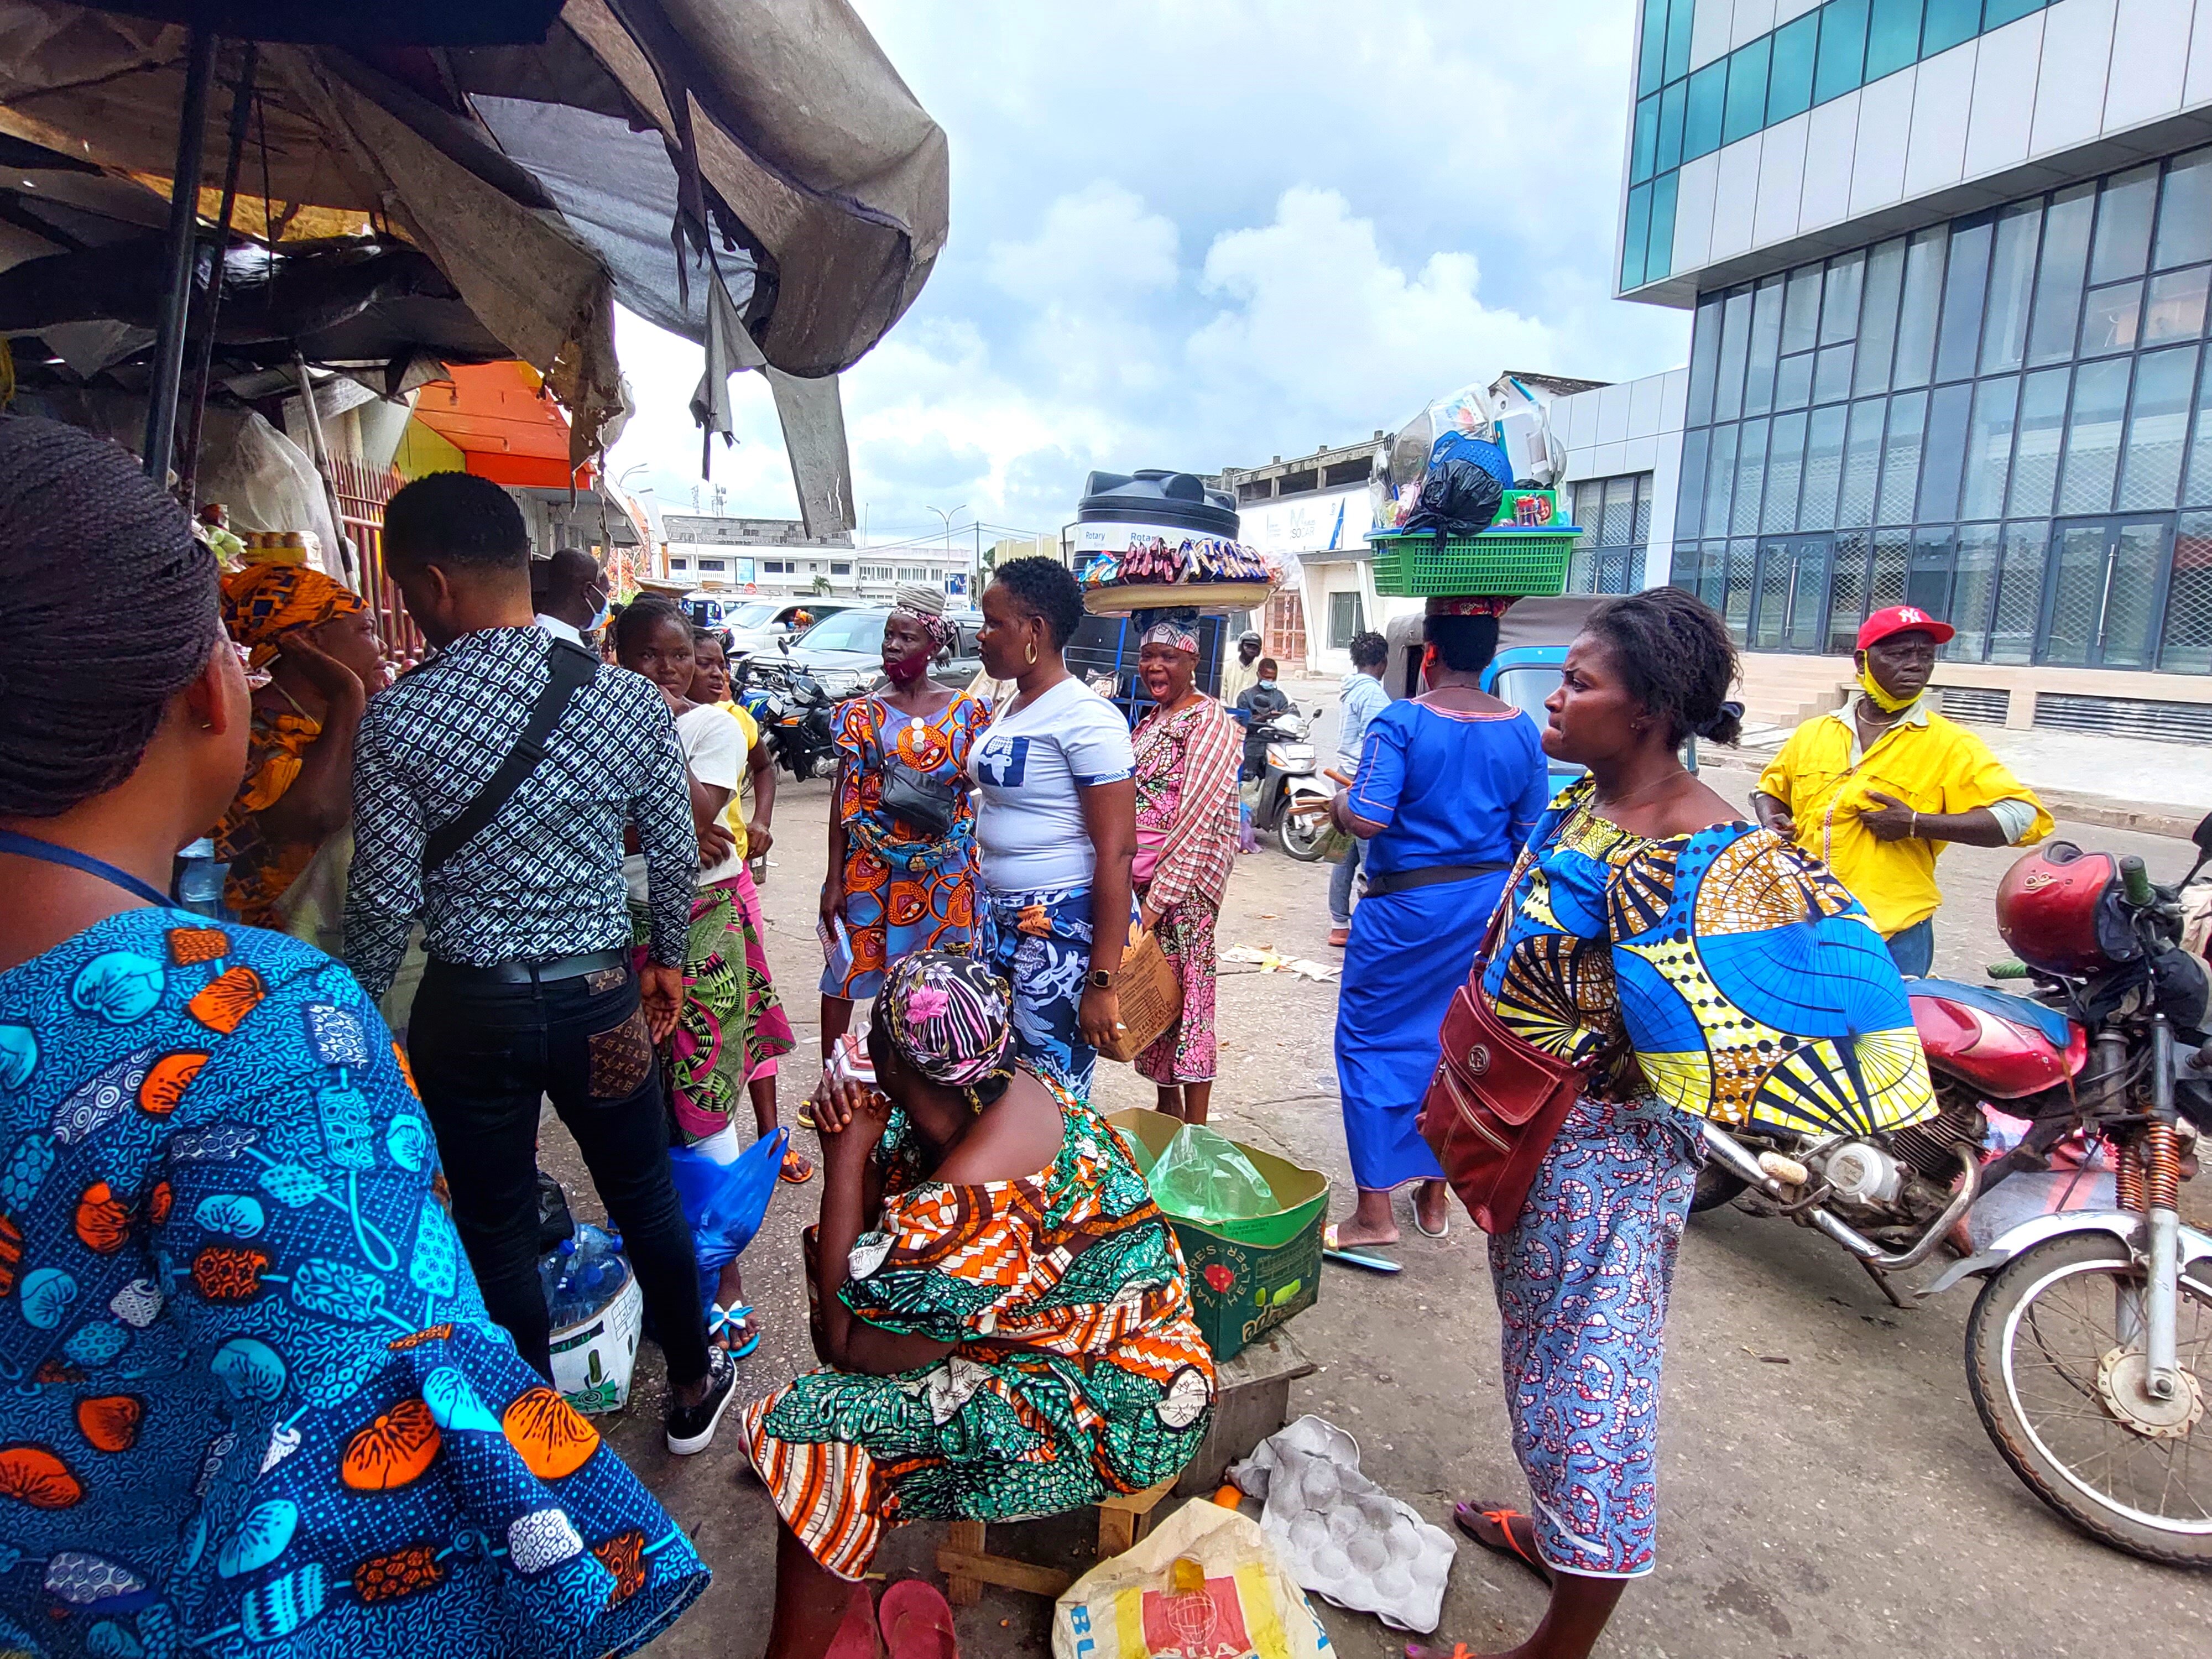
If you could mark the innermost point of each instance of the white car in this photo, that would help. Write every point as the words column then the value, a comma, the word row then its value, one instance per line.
column 752, row 625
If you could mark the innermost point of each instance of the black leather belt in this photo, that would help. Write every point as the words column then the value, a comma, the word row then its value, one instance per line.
column 1427, row 875
column 529, row 973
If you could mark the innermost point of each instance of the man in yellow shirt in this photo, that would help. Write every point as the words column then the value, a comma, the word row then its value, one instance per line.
column 1875, row 789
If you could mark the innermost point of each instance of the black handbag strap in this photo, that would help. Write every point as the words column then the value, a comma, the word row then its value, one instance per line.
column 571, row 670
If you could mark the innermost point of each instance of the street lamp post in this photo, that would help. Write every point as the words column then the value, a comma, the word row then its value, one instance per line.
column 948, row 519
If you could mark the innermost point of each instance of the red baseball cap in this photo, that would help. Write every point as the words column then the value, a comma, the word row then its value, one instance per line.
column 1901, row 619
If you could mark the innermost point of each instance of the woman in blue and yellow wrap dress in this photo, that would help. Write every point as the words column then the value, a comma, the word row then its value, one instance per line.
column 1707, row 970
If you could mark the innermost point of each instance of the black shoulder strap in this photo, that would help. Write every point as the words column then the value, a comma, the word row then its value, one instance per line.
column 572, row 669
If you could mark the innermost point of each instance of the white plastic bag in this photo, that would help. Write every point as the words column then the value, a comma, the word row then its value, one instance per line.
column 1206, row 1584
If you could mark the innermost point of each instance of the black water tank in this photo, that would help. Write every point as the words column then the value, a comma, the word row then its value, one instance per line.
column 1175, row 499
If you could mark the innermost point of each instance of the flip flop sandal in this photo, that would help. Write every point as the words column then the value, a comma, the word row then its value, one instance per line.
column 1355, row 1258
column 805, row 1115
column 1503, row 1520
column 1443, row 1232
column 731, row 1320
column 856, row 1636
column 917, row 1622
column 791, row 1156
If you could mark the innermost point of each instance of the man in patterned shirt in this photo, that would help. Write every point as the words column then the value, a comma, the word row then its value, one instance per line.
column 529, row 991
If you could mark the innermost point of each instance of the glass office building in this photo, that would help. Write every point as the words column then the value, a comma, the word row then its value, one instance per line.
column 1951, row 268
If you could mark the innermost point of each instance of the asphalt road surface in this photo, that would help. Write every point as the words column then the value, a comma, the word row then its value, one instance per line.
column 1825, row 1487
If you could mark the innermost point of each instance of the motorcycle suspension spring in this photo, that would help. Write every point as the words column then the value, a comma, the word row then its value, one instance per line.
column 2162, row 1154
column 2128, row 1177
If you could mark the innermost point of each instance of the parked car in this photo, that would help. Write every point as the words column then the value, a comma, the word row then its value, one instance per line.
column 750, row 625
column 845, row 653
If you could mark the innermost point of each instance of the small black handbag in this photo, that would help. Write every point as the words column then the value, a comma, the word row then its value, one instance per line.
column 918, row 801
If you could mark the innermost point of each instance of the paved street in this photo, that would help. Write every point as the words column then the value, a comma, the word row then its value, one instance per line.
column 1846, row 1502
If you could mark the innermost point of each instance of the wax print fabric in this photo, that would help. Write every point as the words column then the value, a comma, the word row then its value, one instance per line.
column 1073, row 1376
column 255, row 1402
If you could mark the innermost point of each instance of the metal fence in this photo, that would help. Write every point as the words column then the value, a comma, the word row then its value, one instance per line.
column 361, row 495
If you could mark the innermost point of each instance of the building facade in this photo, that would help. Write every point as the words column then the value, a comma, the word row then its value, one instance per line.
column 1949, row 263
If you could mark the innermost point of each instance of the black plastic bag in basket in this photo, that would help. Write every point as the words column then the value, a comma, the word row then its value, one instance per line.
column 1457, row 498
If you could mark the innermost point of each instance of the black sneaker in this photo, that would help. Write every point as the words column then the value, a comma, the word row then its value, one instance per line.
column 691, row 1428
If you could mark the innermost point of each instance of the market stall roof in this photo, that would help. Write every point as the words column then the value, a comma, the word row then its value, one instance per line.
column 752, row 174
column 504, row 425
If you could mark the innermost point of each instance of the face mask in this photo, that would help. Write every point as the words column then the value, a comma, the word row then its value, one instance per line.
column 1888, row 702
column 1268, row 684
column 598, row 618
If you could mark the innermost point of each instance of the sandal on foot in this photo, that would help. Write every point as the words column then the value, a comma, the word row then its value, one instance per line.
column 805, row 1115
column 795, row 1159
column 1421, row 1227
column 1463, row 1516
column 731, row 1321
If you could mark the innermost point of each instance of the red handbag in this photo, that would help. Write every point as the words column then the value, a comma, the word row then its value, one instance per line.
column 1497, row 1100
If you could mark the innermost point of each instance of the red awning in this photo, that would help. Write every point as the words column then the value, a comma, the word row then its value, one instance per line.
column 510, row 431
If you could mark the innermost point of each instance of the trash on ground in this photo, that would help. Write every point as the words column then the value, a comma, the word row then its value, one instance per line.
column 1343, row 1537
column 1270, row 962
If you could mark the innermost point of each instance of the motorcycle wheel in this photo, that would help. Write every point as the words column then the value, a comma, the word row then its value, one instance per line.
column 2050, row 1374
column 1715, row 1187
column 1301, row 837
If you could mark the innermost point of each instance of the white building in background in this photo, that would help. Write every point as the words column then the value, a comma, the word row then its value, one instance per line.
column 775, row 559
column 1951, row 266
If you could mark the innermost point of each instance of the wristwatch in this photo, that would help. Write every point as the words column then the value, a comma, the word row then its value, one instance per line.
column 1099, row 979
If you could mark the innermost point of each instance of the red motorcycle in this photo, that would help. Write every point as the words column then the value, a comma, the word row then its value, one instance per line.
column 2089, row 1349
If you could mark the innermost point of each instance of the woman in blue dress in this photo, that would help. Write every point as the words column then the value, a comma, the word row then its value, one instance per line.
column 1449, row 784
column 254, row 1401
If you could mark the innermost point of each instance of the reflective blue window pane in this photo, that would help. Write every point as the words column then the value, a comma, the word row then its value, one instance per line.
column 1824, row 468
column 1735, row 343
column 1651, row 48
column 1635, row 233
column 1765, row 348
column 1988, row 448
column 1917, row 315
column 1892, row 37
column 1750, row 474
column 1789, row 85
column 1832, row 381
column 1949, row 22
column 2123, row 222
column 2058, row 282
column 2196, row 485
column 1885, row 277
column 1900, row 458
column 1701, row 124
column 1997, row 13
column 1720, row 480
column 1839, row 311
column 2011, row 285
column 2174, row 305
column 1670, row 125
column 2111, row 319
column 1943, row 450
column 1644, row 150
column 1747, row 89
column 1793, row 381
column 1964, row 286
column 2157, row 429
column 1679, row 18
column 2042, row 425
column 1785, row 457
column 1800, row 311
column 1704, row 346
column 2092, row 437
column 2185, row 211
column 1843, row 49
column 2020, row 593
column 1861, row 465
column 1661, row 258
column 1973, row 589
column 1690, row 501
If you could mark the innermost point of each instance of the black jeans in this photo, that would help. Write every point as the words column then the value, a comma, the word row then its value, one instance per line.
column 484, row 1056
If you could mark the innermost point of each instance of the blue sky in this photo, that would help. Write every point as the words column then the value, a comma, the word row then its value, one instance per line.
column 1202, row 234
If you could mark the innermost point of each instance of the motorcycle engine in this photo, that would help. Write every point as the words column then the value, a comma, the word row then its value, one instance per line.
column 1930, row 1147
column 1863, row 1173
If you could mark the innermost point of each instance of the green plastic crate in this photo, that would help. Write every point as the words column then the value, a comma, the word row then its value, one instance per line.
column 1511, row 563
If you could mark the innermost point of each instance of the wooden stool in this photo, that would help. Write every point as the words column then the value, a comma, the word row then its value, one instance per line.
column 967, row 1567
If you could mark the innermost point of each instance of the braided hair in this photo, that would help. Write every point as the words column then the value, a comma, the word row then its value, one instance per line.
column 1675, row 656
column 640, row 617
column 108, row 607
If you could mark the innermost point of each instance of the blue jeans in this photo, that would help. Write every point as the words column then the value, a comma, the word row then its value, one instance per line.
column 1913, row 951
column 1339, row 883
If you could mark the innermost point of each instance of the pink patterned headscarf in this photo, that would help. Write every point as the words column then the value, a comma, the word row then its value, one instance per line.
column 948, row 1018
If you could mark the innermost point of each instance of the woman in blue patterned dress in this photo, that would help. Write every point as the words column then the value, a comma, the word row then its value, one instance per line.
column 254, row 1401
column 1706, row 968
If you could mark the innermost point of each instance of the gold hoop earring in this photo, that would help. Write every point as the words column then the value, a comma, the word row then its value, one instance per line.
column 1031, row 658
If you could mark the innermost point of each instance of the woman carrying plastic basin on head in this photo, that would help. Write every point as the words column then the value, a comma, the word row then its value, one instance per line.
column 768, row 1027
column 254, row 1399
column 1188, row 750
column 1002, row 1309
column 903, row 838
column 1058, row 827
column 1697, row 966
column 1450, row 784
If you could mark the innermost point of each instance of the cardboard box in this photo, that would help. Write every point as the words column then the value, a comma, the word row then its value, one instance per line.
column 1247, row 1278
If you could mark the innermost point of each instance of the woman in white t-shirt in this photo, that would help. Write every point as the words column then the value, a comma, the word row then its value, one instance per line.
column 1057, row 827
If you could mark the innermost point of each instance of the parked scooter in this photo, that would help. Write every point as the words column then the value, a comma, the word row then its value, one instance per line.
column 2089, row 1350
column 793, row 713
column 1288, row 783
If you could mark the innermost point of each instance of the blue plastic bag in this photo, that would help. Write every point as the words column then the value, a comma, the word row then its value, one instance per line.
column 725, row 1203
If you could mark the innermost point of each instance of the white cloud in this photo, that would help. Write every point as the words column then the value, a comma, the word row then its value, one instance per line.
column 1096, row 246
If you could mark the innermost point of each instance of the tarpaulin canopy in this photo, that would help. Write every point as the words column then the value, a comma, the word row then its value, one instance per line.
column 660, row 151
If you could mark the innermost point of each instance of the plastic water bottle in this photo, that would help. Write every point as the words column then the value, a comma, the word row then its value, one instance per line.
column 200, row 877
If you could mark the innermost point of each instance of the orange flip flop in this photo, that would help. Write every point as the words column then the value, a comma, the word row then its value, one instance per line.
column 1465, row 1515
column 917, row 1622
